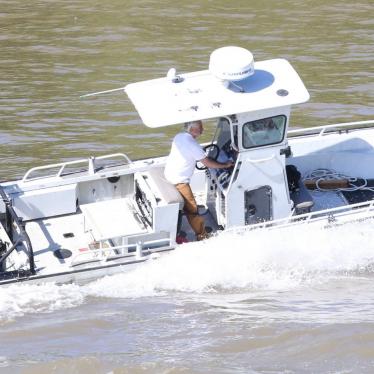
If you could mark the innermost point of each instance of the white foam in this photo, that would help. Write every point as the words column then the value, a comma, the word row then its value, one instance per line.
column 17, row 300
column 276, row 259
column 3, row 362
column 230, row 263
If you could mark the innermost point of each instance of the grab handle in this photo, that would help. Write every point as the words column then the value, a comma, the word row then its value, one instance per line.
column 259, row 160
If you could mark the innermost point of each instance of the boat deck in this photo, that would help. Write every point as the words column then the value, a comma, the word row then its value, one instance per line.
column 58, row 234
column 327, row 200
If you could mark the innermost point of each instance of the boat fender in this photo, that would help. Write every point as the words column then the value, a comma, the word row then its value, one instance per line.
column 329, row 184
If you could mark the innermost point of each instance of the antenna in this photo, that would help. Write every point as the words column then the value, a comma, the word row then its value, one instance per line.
column 102, row 92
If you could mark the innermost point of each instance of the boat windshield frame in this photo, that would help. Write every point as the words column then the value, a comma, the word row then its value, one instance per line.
column 263, row 132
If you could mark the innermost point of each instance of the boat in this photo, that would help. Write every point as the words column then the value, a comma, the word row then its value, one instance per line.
column 83, row 219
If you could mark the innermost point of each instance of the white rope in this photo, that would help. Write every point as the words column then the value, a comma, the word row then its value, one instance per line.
column 320, row 175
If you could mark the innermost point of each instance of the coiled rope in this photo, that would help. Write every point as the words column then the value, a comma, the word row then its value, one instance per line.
column 320, row 175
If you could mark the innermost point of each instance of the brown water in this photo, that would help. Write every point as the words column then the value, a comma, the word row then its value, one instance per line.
column 304, row 307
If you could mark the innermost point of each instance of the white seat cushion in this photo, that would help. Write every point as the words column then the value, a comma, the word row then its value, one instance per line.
column 168, row 191
column 111, row 218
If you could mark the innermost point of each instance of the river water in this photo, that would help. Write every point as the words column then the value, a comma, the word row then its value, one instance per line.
column 290, row 302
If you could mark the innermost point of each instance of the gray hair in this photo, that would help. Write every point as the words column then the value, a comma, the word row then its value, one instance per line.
column 189, row 125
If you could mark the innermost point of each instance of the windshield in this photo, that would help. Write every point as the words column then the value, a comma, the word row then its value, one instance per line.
column 264, row 131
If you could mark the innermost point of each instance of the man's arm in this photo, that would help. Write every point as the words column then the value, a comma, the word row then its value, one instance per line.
column 216, row 165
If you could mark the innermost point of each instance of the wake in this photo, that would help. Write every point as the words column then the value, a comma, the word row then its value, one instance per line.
column 230, row 262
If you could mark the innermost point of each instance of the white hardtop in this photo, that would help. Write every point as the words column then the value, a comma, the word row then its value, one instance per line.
column 201, row 95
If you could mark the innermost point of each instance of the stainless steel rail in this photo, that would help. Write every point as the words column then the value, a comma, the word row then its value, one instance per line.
column 90, row 162
column 328, row 129
column 109, row 253
column 353, row 211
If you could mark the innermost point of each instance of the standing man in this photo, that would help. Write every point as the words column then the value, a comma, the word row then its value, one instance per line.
column 180, row 165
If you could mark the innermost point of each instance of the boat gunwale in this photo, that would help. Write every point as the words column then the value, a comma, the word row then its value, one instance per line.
column 306, row 218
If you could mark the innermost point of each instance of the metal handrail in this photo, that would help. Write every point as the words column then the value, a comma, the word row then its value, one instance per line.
column 63, row 165
column 24, row 236
column 321, row 130
column 307, row 217
column 102, row 251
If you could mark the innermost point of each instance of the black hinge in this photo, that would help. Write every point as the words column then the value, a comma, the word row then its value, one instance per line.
column 285, row 151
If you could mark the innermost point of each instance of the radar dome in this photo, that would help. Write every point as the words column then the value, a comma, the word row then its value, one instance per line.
column 231, row 63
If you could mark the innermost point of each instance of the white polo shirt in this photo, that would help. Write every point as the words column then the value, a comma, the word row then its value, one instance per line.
column 185, row 152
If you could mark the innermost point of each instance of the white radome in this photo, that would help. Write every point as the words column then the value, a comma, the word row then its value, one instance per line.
column 231, row 63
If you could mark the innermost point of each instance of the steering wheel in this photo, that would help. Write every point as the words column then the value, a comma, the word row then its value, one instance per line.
column 212, row 150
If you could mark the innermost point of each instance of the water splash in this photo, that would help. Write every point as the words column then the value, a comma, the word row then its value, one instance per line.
column 18, row 300
column 275, row 259
column 231, row 262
